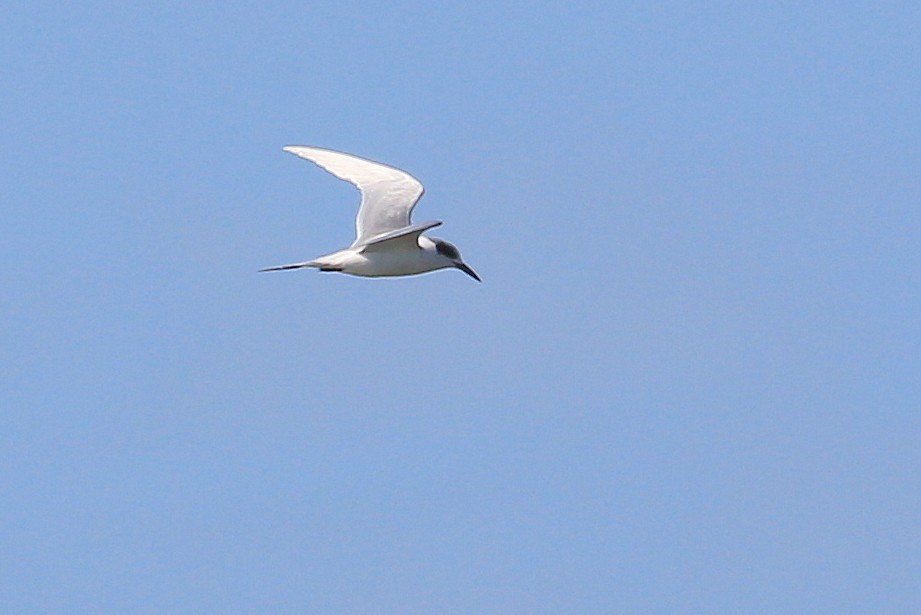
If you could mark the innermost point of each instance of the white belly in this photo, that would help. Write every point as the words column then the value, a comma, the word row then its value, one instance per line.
column 384, row 263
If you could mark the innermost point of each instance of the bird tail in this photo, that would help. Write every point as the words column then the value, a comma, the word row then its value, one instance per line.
column 292, row 266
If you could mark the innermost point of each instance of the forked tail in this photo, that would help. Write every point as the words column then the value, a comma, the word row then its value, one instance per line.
column 292, row 266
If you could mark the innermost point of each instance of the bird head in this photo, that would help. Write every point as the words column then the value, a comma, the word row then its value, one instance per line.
column 451, row 253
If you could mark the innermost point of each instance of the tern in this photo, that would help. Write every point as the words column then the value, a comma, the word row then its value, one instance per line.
column 386, row 244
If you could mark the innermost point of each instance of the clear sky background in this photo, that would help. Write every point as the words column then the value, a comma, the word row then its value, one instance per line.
column 689, row 381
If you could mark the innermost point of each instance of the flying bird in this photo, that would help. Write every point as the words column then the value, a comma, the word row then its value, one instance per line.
column 386, row 242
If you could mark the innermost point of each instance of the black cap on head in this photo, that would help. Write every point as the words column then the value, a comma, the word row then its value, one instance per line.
column 449, row 251
column 446, row 249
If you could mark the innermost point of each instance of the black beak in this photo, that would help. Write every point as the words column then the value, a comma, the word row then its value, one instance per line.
column 463, row 267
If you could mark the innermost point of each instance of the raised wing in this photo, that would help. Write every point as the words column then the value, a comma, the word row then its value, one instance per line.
column 388, row 195
column 409, row 234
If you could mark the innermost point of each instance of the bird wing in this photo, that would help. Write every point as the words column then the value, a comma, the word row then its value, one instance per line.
column 409, row 234
column 388, row 195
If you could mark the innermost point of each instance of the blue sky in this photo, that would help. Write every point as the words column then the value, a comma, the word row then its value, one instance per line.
column 688, row 383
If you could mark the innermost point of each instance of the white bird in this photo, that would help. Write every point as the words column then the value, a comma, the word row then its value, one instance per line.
column 386, row 242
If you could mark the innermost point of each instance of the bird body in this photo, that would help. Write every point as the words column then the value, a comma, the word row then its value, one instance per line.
column 386, row 243
column 384, row 263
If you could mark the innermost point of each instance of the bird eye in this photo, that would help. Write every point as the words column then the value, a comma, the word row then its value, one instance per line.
column 446, row 249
